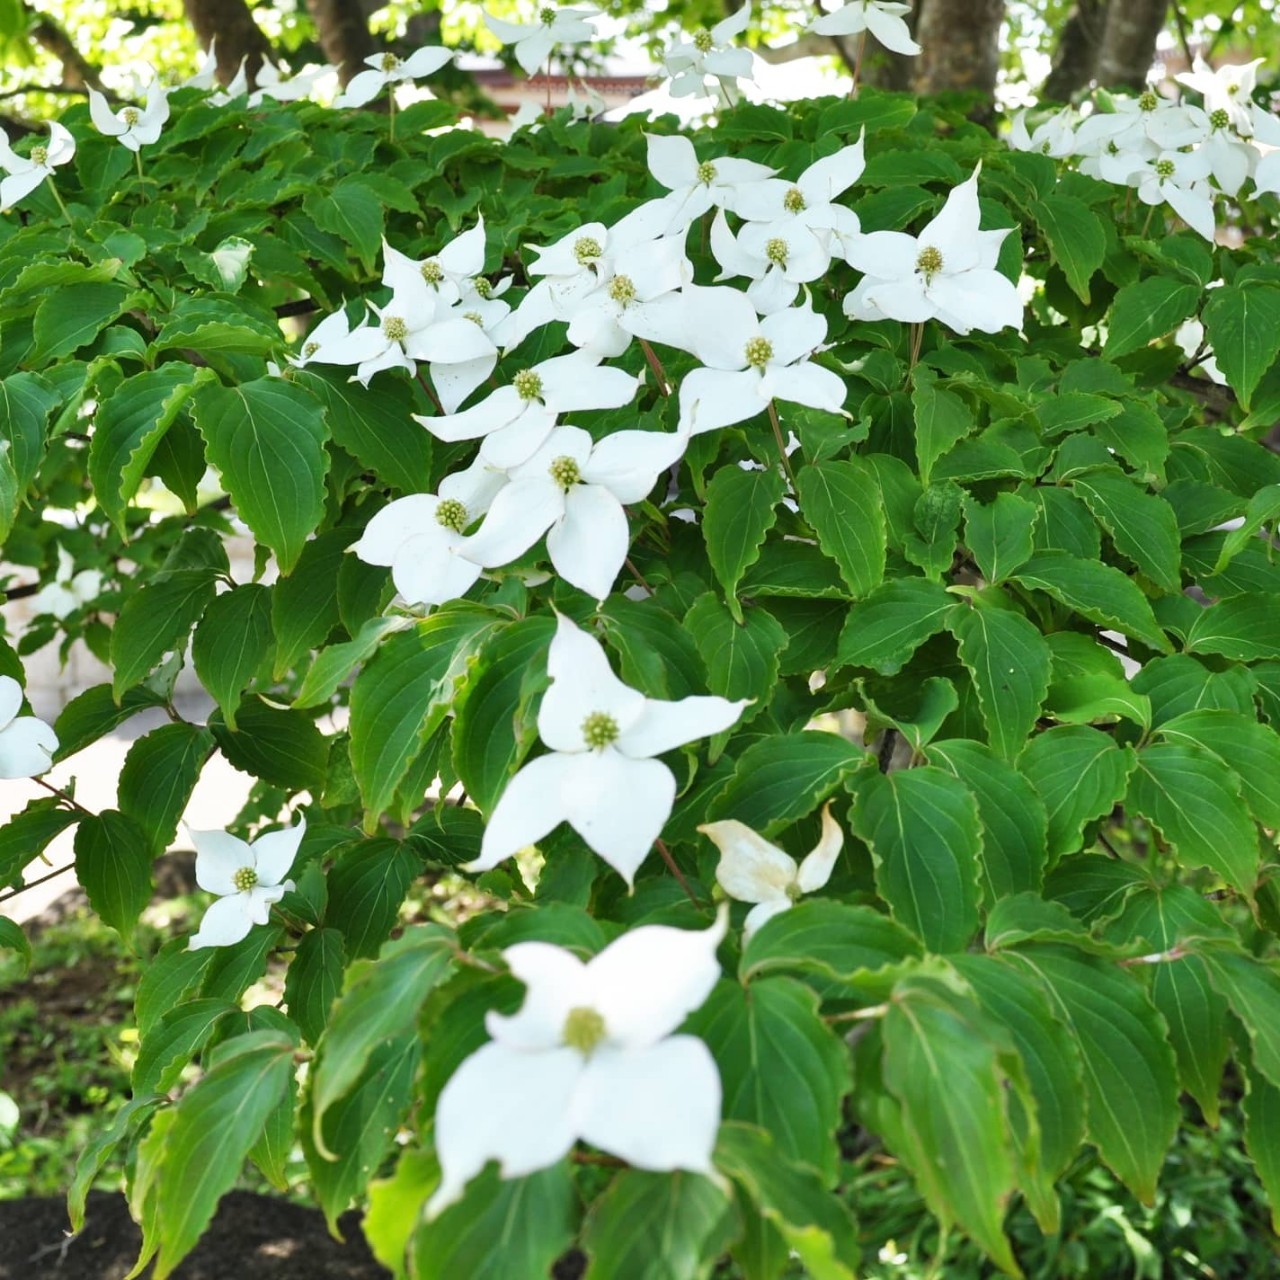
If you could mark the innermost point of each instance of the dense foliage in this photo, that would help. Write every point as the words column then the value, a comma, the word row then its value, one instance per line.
column 987, row 619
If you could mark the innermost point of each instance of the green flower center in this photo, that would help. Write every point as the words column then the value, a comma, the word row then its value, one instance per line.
column 793, row 201
column 390, row 62
column 310, row 349
column 1112, row 149
column 703, row 42
column 622, row 290
column 244, row 879
column 475, row 317
column 1148, row 101
column 587, row 249
column 451, row 514
column 929, row 262
column 395, row 328
column 776, row 251
column 528, row 384
column 39, row 155
column 583, row 1029
column 565, row 472
column 706, row 172
column 1219, row 118
column 546, row 15
column 600, row 729
column 482, row 287
column 432, row 271
column 130, row 116
column 758, row 352
column 1165, row 168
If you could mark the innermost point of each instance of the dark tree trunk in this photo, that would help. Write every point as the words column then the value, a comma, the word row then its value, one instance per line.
column 960, row 47
column 1129, row 42
column 343, row 29
column 1076, row 58
column 238, row 36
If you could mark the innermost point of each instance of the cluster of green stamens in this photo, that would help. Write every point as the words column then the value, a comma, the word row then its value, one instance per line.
column 39, row 155
column 1165, row 168
column 706, row 172
column 310, row 349
column 776, row 251
column 244, row 879
column 475, row 317
column 586, row 249
column 1148, row 101
column 1219, row 119
column 622, row 290
column 929, row 263
column 703, row 42
column 130, row 116
column 482, row 287
column 528, row 384
column 565, row 472
column 793, row 201
column 546, row 15
column 432, row 271
column 390, row 62
column 583, row 1029
column 599, row 730
column 758, row 352
column 451, row 514
column 395, row 328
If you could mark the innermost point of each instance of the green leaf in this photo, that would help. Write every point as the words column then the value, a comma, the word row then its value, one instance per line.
column 942, row 1066
column 1243, row 627
column 1013, row 817
column 213, row 1128
column 24, row 836
column 154, row 622
column 1194, row 801
column 1075, row 236
column 113, row 863
column 230, row 644
column 336, row 662
column 218, row 326
column 314, row 980
column 781, row 1066
column 999, row 534
column 13, row 939
column 885, row 629
column 1130, row 1076
column 936, row 516
column 1242, row 324
column 925, row 836
column 1097, row 592
column 352, row 212
column 26, row 400
column 784, row 777
column 380, row 1002
column 1252, row 989
column 1142, row 525
column 1147, row 309
column 500, row 1229
column 157, row 779
column 1262, row 1136
column 1009, row 662
column 281, row 747
column 1081, row 775
column 741, row 658
column 942, row 418
column 73, row 315
column 813, row 1222
column 366, row 887
column 1263, row 509
column 841, row 500
column 652, row 1226
column 1242, row 744
column 1179, row 683
column 104, row 1143
column 174, row 1042
column 740, row 509
column 267, row 440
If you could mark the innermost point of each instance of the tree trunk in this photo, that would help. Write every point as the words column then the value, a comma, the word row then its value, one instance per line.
column 343, row 30
column 960, row 47
column 1129, row 42
column 1076, row 57
column 238, row 36
column 77, row 71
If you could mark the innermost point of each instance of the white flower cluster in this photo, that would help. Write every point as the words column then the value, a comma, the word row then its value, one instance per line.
column 1178, row 154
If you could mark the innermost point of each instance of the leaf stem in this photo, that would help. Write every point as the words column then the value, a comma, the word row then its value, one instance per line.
column 64, row 795
column 675, row 871
column 137, row 157
column 31, row 884
column 857, row 63
column 391, row 114
column 426, row 386
column 858, row 1015
column 782, row 444
column 659, row 373
column 53, row 187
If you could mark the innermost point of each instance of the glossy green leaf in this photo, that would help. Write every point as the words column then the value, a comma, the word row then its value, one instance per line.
column 741, row 508
column 154, row 622
column 158, row 776
column 841, row 500
column 942, row 419
column 883, row 631
column 1242, row 323
column 1075, row 236
column 999, row 534
column 1145, row 310
column 1245, row 627
column 1242, row 744
column 741, row 658
column 1142, row 525
column 113, row 864
column 231, row 642
column 314, row 980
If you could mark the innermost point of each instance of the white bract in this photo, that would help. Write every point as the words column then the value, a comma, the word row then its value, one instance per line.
column 247, row 878
column 753, row 870
column 573, row 490
column 946, row 273
column 26, row 173
column 135, row 127
column 422, row 539
column 710, row 55
column 809, row 201
column 750, row 361
column 600, row 776
column 880, row 18
column 388, row 69
column 1178, row 179
column 534, row 42
column 27, row 744
column 1054, row 137
column 1228, row 89
column 69, row 590
column 695, row 185
column 777, row 259
column 589, row 1056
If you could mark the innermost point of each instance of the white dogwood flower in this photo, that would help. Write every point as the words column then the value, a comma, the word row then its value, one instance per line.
column 590, row 1055
column 135, row 127
column 573, row 490
column 1054, row 136
column 247, row 878
column 600, row 775
column 753, row 870
column 1227, row 88
column 27, row 744
column 26, row 173
column 1178, row 178
column 710, row 55
column 696, row 186
column 777, row 259
column 69, row 590
column 881, row 18
column 388, row 69
column 946, row 273
column 534, row 41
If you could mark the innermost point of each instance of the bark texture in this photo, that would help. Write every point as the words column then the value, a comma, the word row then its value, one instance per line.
column 1076, row 57
column 343, row 30
column 960, row 47
column 238, row 36
column 1129, row 42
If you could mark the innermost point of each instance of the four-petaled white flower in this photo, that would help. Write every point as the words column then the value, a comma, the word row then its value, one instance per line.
column 777, row 259
column 247, row 878
column 135, row 127
column 572, row 489
column 27, row 744
column 1228, row 89
column 387, row 68
column 600, row 775
column 68, row 590
column 753, row 870
column 882, row 18
column 696, row 186
column 749, row 362
column 26, row 173
column 1055, row 136
column 946, row 273
column 1178, row 178
column 534, row 41
column 691, row 61
column 589, row 1055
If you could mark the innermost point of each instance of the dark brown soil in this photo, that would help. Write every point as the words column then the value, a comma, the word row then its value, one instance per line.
column 252, row 1238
